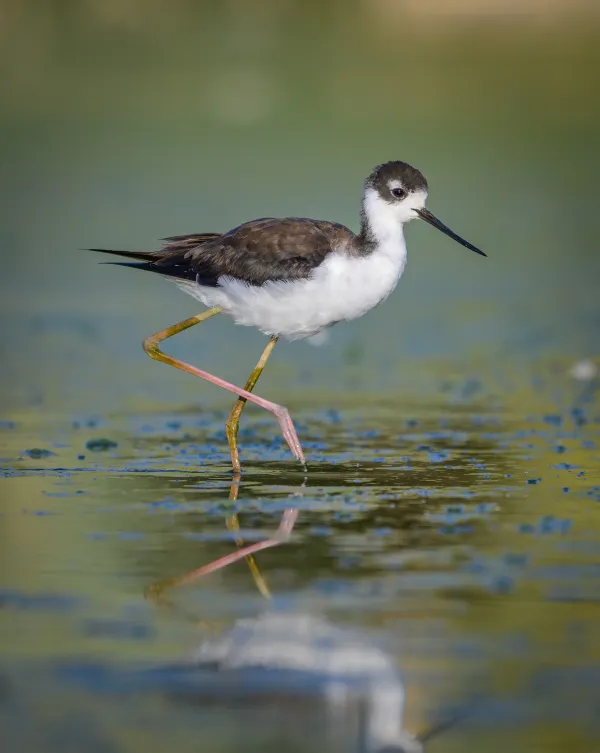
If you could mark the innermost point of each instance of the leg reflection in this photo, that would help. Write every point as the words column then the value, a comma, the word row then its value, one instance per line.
column 233, row 525
column 281, row 536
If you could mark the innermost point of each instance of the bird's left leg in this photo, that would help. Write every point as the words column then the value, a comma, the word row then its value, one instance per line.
column 233, row 422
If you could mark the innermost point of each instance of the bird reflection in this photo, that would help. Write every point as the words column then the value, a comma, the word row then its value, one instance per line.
column 354, row 679
column 300, row 660
column 281, row 536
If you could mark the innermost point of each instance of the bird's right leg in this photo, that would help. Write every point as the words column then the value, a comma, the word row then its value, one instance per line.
column 279, row 411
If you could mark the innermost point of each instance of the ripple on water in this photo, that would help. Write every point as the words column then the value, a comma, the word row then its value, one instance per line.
column 436, row 534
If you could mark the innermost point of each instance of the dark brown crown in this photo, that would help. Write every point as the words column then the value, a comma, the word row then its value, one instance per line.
column 410, row 178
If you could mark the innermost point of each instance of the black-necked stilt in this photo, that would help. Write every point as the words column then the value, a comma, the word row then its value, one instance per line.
column 292, row 277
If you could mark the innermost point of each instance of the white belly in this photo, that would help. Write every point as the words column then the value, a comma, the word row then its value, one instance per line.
column 340, row 289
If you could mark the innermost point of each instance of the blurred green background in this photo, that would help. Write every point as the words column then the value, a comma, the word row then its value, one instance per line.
column 125, row 121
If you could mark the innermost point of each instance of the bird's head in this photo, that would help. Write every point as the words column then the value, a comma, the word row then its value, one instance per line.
column 395, row 193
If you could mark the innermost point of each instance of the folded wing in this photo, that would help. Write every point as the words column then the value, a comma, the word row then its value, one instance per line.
column 258, row 251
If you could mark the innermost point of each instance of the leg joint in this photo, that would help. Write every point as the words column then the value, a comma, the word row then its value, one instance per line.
column 150, row 345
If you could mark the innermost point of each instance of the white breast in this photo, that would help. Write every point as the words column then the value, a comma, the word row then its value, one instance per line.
column 342, row 288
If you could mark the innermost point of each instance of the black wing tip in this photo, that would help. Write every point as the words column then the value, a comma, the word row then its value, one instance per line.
column 144, row 256
column 134, row 264
column 152, row 262
column 172, row 272
column 108, row 251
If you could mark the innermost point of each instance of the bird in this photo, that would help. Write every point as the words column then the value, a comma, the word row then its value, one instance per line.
column 355, row 684
column 291, row 277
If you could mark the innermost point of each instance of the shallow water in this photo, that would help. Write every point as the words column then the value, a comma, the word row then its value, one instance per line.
column 459, row 535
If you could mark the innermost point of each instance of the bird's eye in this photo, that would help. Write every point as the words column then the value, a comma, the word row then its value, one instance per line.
column 399, row 193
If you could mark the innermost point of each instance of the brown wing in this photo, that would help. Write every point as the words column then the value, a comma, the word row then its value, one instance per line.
column 261, row 250
column 258, row 251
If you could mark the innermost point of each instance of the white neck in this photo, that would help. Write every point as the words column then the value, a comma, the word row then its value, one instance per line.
column 381, row 219
column 384, row 220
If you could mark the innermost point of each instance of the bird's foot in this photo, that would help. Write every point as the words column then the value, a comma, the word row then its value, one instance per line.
column 289, row 432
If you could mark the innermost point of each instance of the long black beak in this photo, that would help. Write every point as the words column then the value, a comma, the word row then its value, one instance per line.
column 426, row 215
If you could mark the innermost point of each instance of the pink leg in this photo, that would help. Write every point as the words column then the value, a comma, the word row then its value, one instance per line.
column 279, row 411
column 282, row 535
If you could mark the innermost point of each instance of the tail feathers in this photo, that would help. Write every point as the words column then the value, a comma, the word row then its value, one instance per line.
column 147, row 256
column 153, row 262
